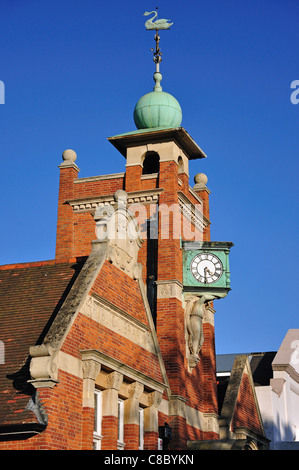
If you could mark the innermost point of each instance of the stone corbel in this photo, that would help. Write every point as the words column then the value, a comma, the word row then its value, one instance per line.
column 151, row 412
column 43, row 370
column 194, row 312
column 91, row 369
column 110, row 394
column 131, row 405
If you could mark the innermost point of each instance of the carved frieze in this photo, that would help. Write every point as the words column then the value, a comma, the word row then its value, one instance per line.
column 117, row 320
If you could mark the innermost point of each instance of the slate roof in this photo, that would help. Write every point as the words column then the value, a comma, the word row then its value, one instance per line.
column 30, row 297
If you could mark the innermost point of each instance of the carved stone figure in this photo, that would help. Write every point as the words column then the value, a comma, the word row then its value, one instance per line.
column 195, row 310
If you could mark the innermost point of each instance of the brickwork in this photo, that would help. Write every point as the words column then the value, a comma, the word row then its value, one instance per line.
column 133, row 178
column 84, row 233
column 91, row 187
column 245, row 411
column 208, row 372
column 65, row 223
column 150, row 441
column 109, row 431
column 149, row 182
column 131, row 436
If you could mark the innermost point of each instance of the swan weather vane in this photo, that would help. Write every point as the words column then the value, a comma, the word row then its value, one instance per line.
column 158, row 24
column 150, row 25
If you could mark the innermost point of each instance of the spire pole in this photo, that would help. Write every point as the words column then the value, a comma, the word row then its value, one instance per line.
column 157, row 25
column 157, row 52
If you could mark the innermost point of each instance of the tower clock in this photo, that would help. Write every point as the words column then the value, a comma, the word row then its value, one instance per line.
column 206, row 266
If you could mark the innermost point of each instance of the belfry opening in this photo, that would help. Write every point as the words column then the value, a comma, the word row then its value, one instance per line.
column 151, row 163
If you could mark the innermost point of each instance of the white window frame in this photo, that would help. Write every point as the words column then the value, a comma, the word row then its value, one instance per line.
column 121, row 425
column 141, row 429
column 97, row 431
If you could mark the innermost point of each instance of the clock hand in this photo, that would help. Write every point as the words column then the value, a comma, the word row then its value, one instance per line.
column 207, row 271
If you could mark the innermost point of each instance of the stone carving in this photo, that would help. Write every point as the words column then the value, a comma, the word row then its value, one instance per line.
column 135, row 390
column 154, row 399
column 169, row 289
column 195, row 311
column 90, row 369
column 114, row 380
column 43, row 369
column 117, row 320
column 117, row 225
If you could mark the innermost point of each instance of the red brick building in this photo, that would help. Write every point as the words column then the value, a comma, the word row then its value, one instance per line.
column 99, row 348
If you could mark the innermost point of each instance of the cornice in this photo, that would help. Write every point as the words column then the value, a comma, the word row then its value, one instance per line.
column 143, row 136
column 90, row 204
column 99, row 178
column 288, row 369
column 189, row 210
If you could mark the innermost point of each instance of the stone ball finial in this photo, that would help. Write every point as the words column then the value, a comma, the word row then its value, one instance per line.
column 69, row 155
column 200, row 180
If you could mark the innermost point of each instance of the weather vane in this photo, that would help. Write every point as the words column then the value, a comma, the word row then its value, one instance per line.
column 156, row 25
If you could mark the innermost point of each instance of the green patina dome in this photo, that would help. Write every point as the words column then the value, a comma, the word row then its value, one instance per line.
column 157, row 109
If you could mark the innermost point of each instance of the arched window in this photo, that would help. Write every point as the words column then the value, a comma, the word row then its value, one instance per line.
column 151, row 163
column 181, row 165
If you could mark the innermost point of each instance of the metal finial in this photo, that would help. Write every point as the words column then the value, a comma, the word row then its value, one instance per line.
column 157, row 52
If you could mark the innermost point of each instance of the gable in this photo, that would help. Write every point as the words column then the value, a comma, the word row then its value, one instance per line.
column 107, row 308
column 240, row 407
column 246, row 412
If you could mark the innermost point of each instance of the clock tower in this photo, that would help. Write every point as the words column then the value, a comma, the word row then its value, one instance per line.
column 183, row 270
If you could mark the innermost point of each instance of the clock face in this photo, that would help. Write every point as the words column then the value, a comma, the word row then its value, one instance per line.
column 206, row 268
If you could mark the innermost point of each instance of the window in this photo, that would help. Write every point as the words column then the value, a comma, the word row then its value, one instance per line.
column 181, row 165
column 97, row 430
column 141, row 429
column 120, row 435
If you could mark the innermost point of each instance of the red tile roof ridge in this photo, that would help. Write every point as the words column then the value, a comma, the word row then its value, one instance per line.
column 30, row 264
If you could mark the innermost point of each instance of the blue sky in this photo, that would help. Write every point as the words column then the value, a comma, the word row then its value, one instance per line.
column 73, row 72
